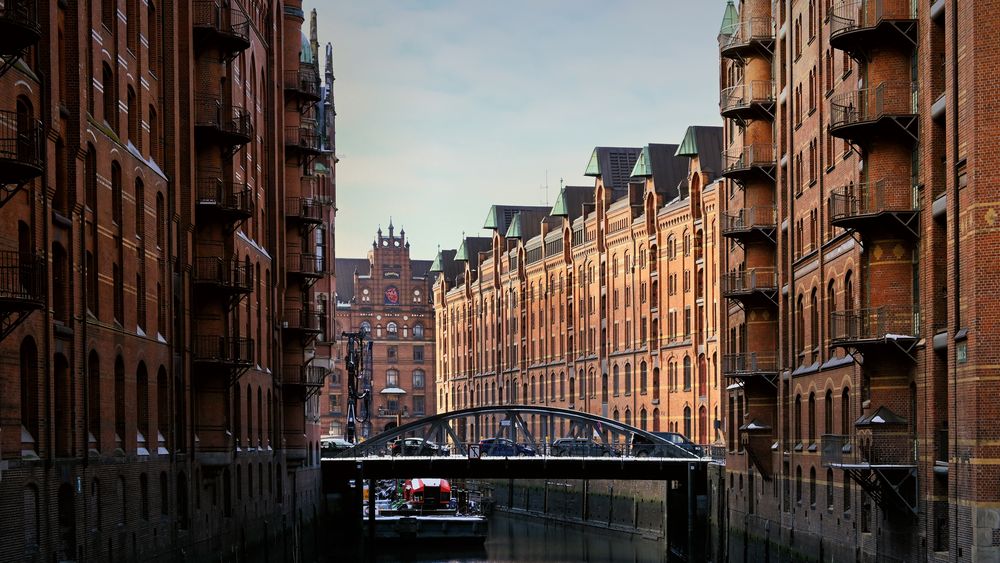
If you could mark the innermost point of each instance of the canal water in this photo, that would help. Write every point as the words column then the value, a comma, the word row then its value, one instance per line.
column 527, row 539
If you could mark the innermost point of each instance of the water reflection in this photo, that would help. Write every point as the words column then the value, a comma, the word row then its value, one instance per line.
column 528, row 540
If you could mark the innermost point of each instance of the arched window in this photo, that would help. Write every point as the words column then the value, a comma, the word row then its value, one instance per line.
column 628, row 379
column 604, row 388
column 656, row 384
column 643, row 383
column 614, row 380
column 93, row 401
column 109, row 96
column 615, row 414
column 656, row 420
column 814, row 323
column 848, row 291
column 162, row 409
column 797, row 432
column 845, row 412
column 828, row 412
column 133, row 117
column 418, row 331
column 120, row 436
column 687, row 421
column 533, row 385
column 798, row 483
column 29, row 390
column 812, row 418
column 552, row 386
column 642, row 418
column 687, row 373
column 562, row 386
column 812, row 486
column 572, row 389
column 60, row 284
column 366, row 327
column 628, row 416
column 237, row 424
column 142, row 402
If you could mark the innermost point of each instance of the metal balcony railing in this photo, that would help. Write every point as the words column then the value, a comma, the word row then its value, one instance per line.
column 754, row 155
column 871, row 104
column 307, row 319
column 20, row 25
column 304, row 81
column 871, row 198
column 748, row 364
column 854, row 15
column 746, row 94
column 218, row 271
column 746, row 281
column 229, row 350
column 307, row 375
column 888, row 322
column 885, row 447
column 718, row 454
column 230, row 120
column 22, row 148
column 746, row 32
column 227, row 21
column 757, row 217
column 302, row 137
column 304, row 208
column 22, row 280
column 306, row 264
column 233, row 197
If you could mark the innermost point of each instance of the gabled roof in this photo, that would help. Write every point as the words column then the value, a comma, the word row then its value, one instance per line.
column 882, row 415
column 730, row 19
column 614, row 165
column 704, row 142
column 444, row 263
column 500, row 216
column 527, row 224
column 570, row 202
column 470, row 248
column 668, row 171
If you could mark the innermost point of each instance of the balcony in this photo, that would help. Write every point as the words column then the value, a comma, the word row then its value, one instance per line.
column 884, row 111
column 218, row 122
column 751, row 224
column 885, row 328
column 756, row 161
column 883, row 207
column 231, row 199
column 19, row 26
column 302, row 139
column 22, row 287
column 225, row 27
column 302, row 322
column 305, row 375
column 754, row 36
column 860, row 26
column 303, row 84
column 22, row 148
column 227, row 276
column 748, row 101
column 227, row 351
column 306, row 265
column 752, row 367
column 756, row 286
column 304, row 210
column 757, row 438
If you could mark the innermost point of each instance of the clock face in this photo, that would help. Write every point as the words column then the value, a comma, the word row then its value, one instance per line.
column 391, row 295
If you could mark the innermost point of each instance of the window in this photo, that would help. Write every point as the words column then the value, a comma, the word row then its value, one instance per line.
column 419, row 405
column 392, row 378
column 390, row 354
column 418, row 353
column 60, row 284
column 418, row 331
column 29, row 387
column 687, row 421
column 829, row 489
column 110, row 97
column 628, row 379
column 392, row 329
column 93, row 400
column 687, row 373
column 133, row 117
column 418, row 379
column 812, row 418
column 812, row 487
column 643, row 383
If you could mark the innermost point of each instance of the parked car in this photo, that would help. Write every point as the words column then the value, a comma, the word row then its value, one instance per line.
column 417, row 446
column 584, row 447
column 503, row 447
column 664, row 444
column 332, row 447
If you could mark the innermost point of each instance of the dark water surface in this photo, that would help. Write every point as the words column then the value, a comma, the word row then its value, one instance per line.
column 526, row 539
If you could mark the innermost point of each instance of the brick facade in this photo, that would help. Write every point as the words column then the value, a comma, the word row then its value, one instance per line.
column 146, row 409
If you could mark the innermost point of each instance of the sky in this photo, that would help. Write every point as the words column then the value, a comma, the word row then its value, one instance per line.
column 446, row 107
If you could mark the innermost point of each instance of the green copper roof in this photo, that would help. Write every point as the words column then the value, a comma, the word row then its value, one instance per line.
column 493, row 219
column 689, row 146
column 642, row 166
column 594, row 166
column 437, row 266
column 730, row 19
column 462, row 254
column 514, row 231
column 560, row 209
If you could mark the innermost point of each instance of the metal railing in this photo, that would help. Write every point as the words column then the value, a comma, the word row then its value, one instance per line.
column 744, row 94
column 227, row 20
column 869, row 198
column 756, row 217
column 21, row 142
column 303, row 319
column 230, row 196
column 889, row 446
column 744, row 364
column 223, row 349
column 22, row 277
column 870, row 104
column 305, row 264
column 718, row 454
column 304, row 80
column 875, row 323
column 303, row 137
column 227, row 273
column 23, row 13
column 745, row 281
column 308, row 375
column 757, row 154
column 744, row 32
column 304, row 208
column 852, row 15
column 230, row 119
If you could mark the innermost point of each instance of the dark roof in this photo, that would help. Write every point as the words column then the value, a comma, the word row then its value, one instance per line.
column 882, row 415
column 346, row 267
column 668, row 171
column 570, row 202
column 528, row 224
column 446, row 264
column 705, row 142
column 614, row 166
column 500, row 216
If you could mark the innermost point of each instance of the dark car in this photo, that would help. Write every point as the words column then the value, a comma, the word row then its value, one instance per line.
column 503, row 447
column 664, row 444
column 417, row 446
column 331, row 447
column 582, row 447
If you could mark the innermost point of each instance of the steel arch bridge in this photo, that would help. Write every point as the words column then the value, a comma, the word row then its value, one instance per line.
column 532, row 430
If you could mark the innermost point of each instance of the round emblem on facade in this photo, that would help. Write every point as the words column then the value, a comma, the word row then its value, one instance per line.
column 391, row 295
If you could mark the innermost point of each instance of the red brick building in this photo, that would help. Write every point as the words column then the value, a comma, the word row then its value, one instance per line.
column 388, row 295
column 161, row 232
column 603, row 303
column 860, row 277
